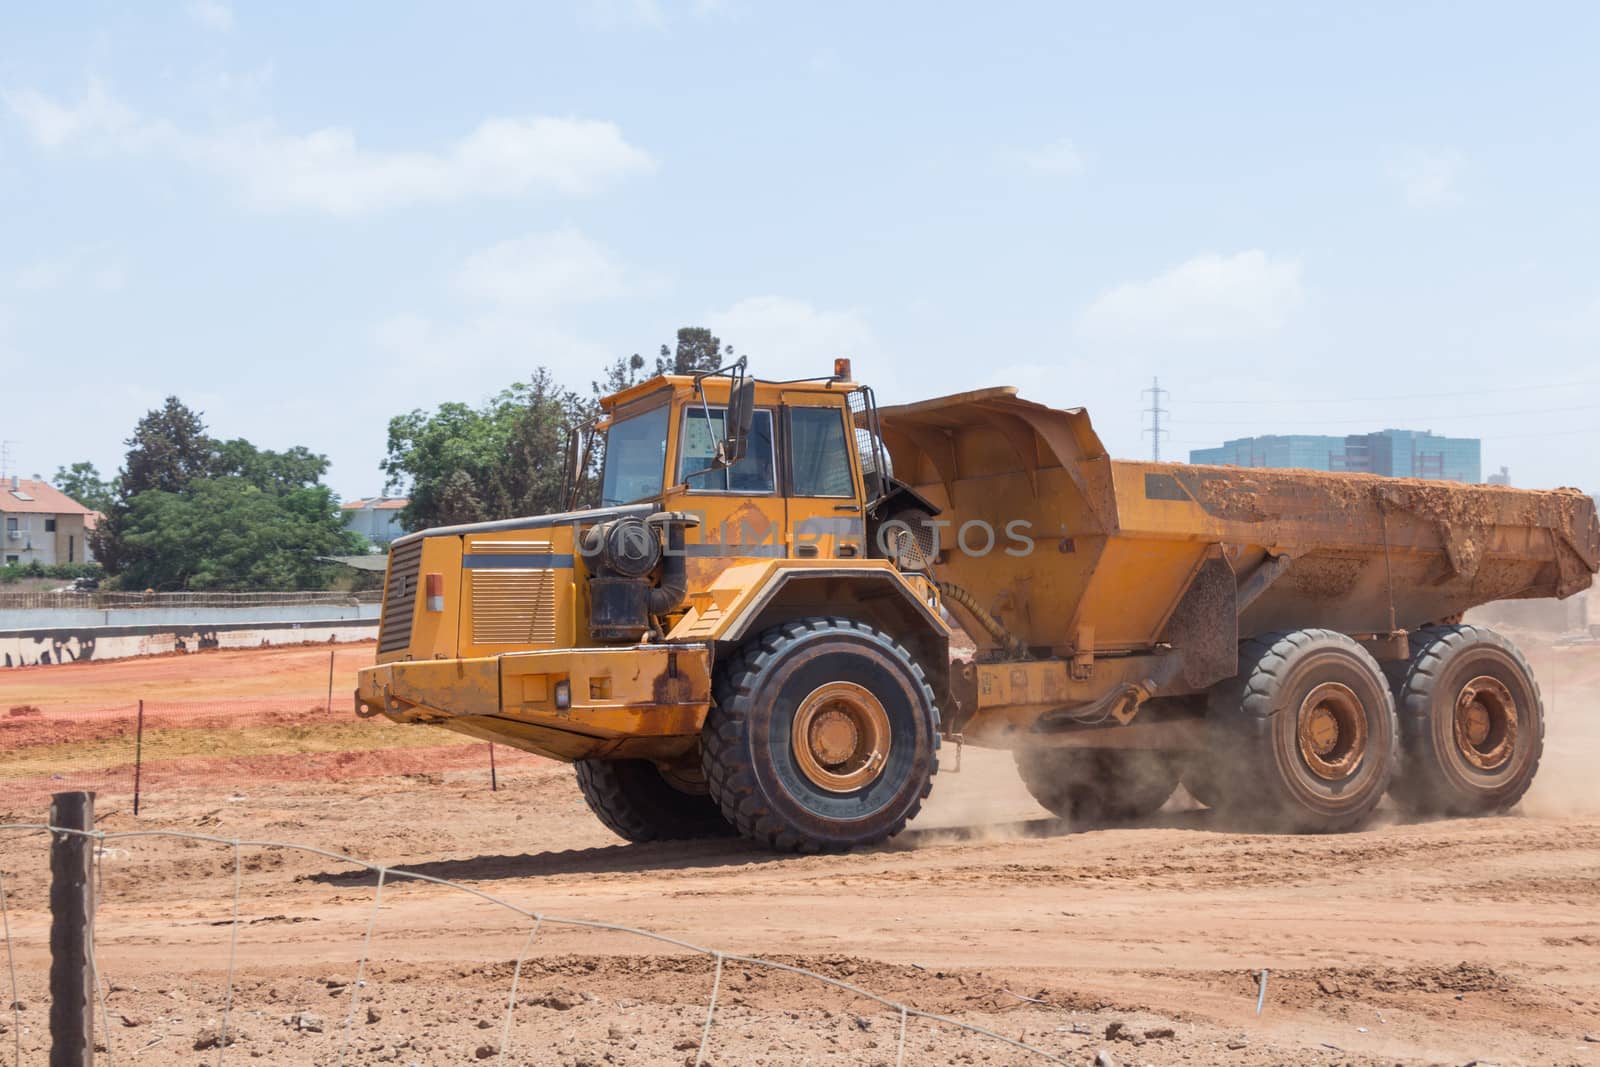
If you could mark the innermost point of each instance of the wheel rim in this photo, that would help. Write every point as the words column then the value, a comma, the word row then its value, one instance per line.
column 1332, row 728
column 841, row 737
column 1486, row 723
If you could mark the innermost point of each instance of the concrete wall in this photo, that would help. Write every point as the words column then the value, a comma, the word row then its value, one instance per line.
column 20, row 648
column 57, row 618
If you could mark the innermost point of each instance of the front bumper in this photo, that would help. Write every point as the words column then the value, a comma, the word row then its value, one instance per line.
column 639, row 702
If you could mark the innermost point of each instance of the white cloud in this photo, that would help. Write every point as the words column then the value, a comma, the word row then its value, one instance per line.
column 1207, row 298
column 80, row 268
column 98, row 116
column 622, row 14
column 513, row 295
column 495, row 347
column 790, row 338
column 326, row 170
column 1058, row 160
column 43, row 275
column 542, row 270
column 212, row 14
column 649, row 14
column 1428, row 179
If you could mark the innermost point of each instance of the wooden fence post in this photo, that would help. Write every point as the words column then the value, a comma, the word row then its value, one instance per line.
column 72, row 991
column 138, row 756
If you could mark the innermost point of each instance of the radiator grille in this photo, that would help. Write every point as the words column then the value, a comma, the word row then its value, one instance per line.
column 513, row 607
column 400, row 598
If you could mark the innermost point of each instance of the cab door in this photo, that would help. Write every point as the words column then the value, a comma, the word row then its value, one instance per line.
column 740, row 508
column 822, row 485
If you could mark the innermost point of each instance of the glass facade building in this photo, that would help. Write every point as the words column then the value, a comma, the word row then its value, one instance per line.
column 1401, row 453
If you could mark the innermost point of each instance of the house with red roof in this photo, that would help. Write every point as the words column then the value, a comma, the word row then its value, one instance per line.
column 40, row 523
column 376, row 518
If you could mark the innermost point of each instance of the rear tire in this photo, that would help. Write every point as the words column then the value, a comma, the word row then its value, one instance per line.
column 1305, row 736
column 1098, row 785
column 637, row 804
column 824, row 736
column 1471, row 721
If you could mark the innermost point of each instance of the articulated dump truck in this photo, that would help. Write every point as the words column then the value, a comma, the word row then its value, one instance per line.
column 752, row 633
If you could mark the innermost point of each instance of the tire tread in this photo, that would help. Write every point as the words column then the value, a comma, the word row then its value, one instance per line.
column 729, row 771
column 1420, row 788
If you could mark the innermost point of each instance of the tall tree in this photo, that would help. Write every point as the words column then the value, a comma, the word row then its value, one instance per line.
column 530, row 477
column 499, row 460
column 273, row 472
column 619, row 375
column 169, row 449
column 509, row 456
column 698, row 349
column 82, row 482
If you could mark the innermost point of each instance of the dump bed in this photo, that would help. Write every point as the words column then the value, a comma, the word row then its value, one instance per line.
column 1088, row 551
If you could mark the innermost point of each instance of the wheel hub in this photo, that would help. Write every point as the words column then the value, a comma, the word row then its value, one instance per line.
column 834, row 736
column 841, row 737
column 1332, row 731
column 1486, row 723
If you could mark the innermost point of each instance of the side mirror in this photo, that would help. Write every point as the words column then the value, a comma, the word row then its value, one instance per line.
column 575, row 462
column 741, row 416
column 569, row 469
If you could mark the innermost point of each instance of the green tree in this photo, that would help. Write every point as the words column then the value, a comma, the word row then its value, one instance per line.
column 228, row 534
column 509, row 456
column 273, row 472
column 192, row 512
column 698, row 349
column 499, row 460
column 82, row 482
column 619, row 375
column 169, row 449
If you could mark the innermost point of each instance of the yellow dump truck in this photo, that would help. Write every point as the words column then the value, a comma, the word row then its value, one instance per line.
column 752, row 632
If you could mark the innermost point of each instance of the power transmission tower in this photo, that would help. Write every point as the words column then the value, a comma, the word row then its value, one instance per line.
column 1155, row 411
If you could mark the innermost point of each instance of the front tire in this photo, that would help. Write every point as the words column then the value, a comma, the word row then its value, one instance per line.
column 1098, row 785
column 1471, row 720
column 1305, row 736
column 638, row 804
column 824, row 735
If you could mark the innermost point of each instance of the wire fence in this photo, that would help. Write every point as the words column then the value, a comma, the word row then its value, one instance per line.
column 294, row 724
column 901, row 1013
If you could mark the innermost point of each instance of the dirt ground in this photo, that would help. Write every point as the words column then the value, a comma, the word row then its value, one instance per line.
column 1409, row 942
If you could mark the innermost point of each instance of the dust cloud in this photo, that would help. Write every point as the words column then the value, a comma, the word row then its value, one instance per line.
column 1568, row 783
column 982, row 801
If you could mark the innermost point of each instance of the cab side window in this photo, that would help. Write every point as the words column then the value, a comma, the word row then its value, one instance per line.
column 755, row 473
column 820, row 457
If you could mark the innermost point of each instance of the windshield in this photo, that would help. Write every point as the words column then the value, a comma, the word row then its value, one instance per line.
column 636, row 458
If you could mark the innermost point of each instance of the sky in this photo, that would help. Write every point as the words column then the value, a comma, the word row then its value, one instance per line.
column 306, row 219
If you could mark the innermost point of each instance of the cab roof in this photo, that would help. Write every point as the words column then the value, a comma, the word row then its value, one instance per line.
column 717, row 386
